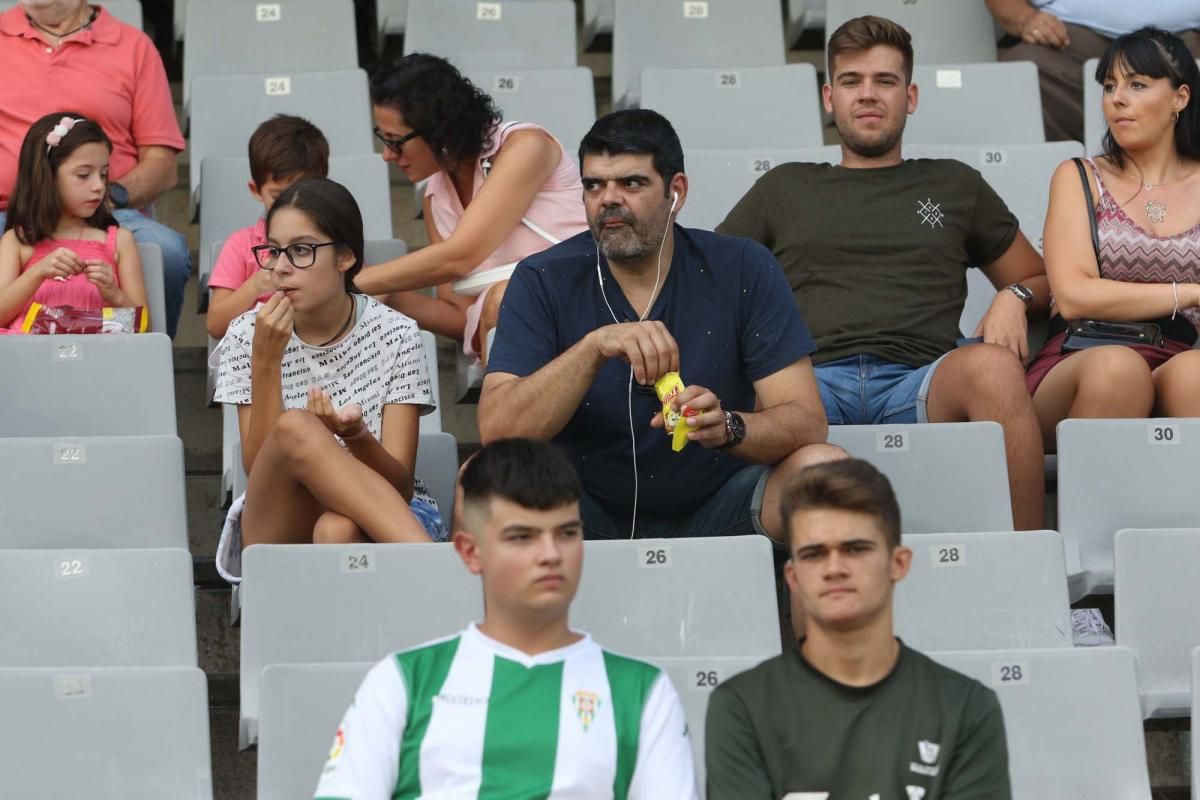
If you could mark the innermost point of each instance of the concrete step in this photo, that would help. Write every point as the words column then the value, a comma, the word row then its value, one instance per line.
column 233, row 771
column 199, row 426
column 217, row 644
column 205, row 517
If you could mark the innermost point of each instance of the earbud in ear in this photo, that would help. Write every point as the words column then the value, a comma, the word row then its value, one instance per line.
column 674, row 200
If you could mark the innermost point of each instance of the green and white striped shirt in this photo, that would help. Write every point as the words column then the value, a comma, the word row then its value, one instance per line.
column 469, row 717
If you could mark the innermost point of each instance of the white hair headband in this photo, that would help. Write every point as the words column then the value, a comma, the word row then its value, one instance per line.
column 60, row 130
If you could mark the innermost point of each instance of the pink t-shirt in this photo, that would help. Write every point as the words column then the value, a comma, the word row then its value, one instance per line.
column 236, row 264
column 557, row 208
column 110, row 73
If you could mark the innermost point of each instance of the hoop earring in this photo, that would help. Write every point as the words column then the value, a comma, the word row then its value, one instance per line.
column 1174, row 117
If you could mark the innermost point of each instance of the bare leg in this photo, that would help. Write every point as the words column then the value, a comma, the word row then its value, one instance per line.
column 986, row 382
column 1110, row 382
column 333, row 528
column 301, row 472
column 1177, row 386
column 489, row 315
column 781, row 476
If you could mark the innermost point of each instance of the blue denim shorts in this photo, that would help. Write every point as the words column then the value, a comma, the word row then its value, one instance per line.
column 868, row 390
column 734, row 509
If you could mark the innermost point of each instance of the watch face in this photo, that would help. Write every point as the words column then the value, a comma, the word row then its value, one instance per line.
column 119, row 195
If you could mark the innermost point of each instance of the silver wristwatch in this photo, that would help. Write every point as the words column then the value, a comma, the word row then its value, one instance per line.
column 1020, row 291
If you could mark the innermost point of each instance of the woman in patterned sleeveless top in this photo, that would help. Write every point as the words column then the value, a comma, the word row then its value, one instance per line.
column 1146, row 191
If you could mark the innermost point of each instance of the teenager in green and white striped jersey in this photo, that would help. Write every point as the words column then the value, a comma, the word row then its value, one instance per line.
column 519, row 706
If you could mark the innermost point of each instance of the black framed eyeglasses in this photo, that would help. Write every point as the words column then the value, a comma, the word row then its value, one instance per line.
column 302, row 254
column 395, row 145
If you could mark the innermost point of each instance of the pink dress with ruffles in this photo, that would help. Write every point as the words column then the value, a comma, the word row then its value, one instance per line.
column 77, row 290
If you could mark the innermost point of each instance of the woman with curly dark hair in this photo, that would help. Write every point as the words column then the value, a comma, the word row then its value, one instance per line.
column 496, row 193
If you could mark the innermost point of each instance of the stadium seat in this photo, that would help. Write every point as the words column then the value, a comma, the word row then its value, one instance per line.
column 695, row 678
column 1020, row 174
column 984, row 591
column 977, row 104
column 563, row 101
column 720, row 178
column 1094, row 125
column 229, row 206
column 803, row 15
column 391, row 16
column 949, row 476
column 122, row 491
column 235, row 37
column 697, row 33
column 117, row 385
column 105, row 734
column 152, row 279
column 1156, row 598
column 1071, row 718
column 97, row 608
column 530, row 34
column 303, row 604
column 302, row 706
column 1120, row 473
column 943, row 31
column 127, row 11
column 709, row 108
column 437, row 466
column 680, row 597
column 597, row 22
column 234, row 105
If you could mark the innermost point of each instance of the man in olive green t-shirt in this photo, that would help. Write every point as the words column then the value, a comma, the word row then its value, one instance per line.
column 852, row 713
column 877, row 250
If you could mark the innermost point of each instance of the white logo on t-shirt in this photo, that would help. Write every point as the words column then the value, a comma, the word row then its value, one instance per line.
column 915, row 792
column 930, row 213
column 929, row 751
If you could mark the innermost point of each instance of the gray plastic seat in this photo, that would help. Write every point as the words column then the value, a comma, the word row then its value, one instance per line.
column 709, row 107
column 230, row 107
column 1094, row 124
column 227, row 206
column 234, row 37
column 1156, row 601
column 105, row 734
column 984, row 591
column 948, row 476
column 668, row 33
column 437, row 466
column 102, row 608
column 90, row 385
column 1071, row 719
column 530, row 34
column 720, row 178
column 597, row 21
column 680, row 597
column 392, row 16
column 304, row 604
column 127, row 11
column 302, row 706
column 563, row 101
column 694, row 679
column 943, row 31
column 803, row 15
column 977, row 103
column 1120, row 473
column 121, row 491
column 154, row 282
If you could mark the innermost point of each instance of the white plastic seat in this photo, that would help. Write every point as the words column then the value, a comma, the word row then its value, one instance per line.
column 703, row 33
column 562, row 100
column 976, row 104
column 720, row 178
column 1071, row 719
column 105, row 734
column 530, row 34
column 119, row 491
column 102, row 608
column 236, row 37
column 948, row 476
column 1156, row 598
column 943, row 31
column 1120, row 473
column 984, row 591
column 88, row 385
column 709, row 107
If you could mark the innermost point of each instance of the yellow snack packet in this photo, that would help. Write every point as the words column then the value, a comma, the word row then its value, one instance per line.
column 668, row 388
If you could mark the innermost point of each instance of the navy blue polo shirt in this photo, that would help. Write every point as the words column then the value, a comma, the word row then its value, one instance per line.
column 731, row 311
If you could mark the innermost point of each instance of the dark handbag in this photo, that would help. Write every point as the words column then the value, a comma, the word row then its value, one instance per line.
column 1085, row 333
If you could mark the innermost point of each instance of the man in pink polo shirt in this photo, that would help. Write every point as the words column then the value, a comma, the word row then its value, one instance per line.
column 66, row 55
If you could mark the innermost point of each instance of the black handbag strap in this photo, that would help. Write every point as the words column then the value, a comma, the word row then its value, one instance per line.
column 1091, row 205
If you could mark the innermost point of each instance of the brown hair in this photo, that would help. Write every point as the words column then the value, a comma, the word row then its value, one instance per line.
column 847, row 485
column 34, row 208
column 862, row 33
column 288, row 147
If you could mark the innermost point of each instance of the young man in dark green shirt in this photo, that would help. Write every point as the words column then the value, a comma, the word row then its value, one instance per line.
column 877, row 250
column 852, row 713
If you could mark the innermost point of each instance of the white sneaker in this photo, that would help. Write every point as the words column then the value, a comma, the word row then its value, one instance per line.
column 1089, row 628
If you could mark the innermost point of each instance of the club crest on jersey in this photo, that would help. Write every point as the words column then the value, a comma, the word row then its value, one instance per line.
column 586, row 704
column 929, row 751
column 915, row 792
column 339, row 744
